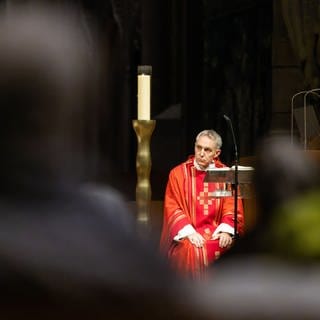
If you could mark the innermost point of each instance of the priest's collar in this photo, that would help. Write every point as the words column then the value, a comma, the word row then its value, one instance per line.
column 210, row 166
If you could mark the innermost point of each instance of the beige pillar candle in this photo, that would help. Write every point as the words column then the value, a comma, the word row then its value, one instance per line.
column 144, row 88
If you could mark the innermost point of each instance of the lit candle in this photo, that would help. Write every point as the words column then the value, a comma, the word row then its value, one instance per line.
column 144, row 80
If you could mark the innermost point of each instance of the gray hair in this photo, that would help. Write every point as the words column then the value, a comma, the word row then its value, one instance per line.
column 213, row 135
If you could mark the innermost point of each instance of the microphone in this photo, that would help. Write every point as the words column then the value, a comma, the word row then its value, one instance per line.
column 233, row 137
column 236, row 183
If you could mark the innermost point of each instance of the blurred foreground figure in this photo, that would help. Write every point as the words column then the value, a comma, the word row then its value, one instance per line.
column 66, row 251
column 274, row 271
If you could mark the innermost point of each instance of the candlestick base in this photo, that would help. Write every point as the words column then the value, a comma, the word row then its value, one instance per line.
column 144, row 130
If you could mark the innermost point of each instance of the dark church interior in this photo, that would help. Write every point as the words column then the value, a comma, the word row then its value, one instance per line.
column 242, row 58
column 208, row 58
column 73, row 241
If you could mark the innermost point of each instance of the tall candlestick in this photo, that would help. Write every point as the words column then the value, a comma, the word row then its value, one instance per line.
column 144, row 85
column 143, row 129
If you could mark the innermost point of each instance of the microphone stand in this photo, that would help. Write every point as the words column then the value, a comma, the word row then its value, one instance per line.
column 313, row 91
column 236, row 181
column 306, row 93
column 292, row 107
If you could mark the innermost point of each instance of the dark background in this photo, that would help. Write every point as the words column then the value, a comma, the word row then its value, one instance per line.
column 208, row 58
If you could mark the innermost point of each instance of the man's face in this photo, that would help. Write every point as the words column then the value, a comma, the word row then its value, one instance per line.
column 205, row 151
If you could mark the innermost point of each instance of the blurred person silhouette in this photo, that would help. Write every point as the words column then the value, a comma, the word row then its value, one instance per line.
column 284, row 174
column 273, row 272
column 67, row 250
column 288, row 199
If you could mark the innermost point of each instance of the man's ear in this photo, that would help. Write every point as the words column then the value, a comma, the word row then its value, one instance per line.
column 217, row 154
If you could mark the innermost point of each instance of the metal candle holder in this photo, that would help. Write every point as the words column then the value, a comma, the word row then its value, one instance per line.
column 144, row 130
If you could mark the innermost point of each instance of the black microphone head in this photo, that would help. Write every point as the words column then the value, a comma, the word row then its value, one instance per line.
column 226, row 117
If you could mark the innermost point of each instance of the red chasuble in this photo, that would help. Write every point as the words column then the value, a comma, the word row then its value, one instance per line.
column 188, row 200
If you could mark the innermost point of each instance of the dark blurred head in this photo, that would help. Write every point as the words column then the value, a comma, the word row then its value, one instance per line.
column 283, row 171
column 47, row 78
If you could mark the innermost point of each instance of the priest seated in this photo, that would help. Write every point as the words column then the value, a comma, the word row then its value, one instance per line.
column 197, row 227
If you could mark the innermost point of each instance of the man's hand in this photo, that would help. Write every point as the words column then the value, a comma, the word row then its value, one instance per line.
column 196, row 239
column 225, row 239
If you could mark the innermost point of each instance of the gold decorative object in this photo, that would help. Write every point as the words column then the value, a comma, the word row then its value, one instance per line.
column 144, row 130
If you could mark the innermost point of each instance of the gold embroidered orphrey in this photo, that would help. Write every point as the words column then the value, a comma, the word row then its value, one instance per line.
column 205, row 199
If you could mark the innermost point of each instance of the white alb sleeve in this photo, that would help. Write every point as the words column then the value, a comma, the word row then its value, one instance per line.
column 224, row 227
column 184, row 232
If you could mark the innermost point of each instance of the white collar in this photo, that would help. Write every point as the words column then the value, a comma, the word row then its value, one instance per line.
column 210, row 166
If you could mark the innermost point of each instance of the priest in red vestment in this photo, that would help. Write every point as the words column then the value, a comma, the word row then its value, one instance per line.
column 198, row 228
